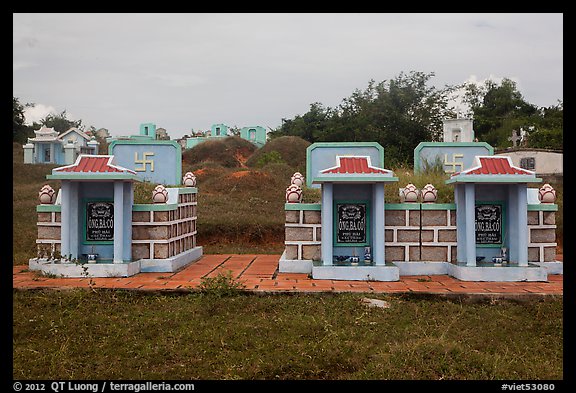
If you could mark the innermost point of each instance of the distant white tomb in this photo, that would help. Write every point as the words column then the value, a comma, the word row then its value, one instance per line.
column 458, row 130
column 457, row 150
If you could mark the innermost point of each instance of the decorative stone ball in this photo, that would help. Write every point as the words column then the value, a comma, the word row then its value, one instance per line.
column 298, row 179
column 429, row 193
column 46, row 195
column 189, row 179
column 410, row 193
column 547, row 194
column 293, row 194
column 160, row 194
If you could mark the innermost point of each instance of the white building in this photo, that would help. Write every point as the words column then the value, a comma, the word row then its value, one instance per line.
column 542, row 161
column 457, row 130
column 47, row 147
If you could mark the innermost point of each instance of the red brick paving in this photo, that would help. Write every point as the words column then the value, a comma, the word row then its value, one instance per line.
column 259, row 273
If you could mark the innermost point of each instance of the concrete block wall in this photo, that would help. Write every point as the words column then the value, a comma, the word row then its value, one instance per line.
column 414, row 232
column 161, row 231
column 420, row 232
column 303, row 231
column 48, row 241
column 541, row 235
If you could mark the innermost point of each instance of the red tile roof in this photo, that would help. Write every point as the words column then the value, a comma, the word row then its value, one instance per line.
column 93, row 164
column 492, row 165
column 354, row 165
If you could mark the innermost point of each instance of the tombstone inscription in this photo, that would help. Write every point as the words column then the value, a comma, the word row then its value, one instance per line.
column 351, row 223
column 99, row 221
column 488, row 224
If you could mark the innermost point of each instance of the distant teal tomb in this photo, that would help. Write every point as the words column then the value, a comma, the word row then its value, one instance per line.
column 457, row 150
column 156, row 161
column 255, row 134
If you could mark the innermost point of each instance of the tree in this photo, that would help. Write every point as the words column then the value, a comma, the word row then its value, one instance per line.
column 549, row 133
column 312, row 126
column 20, row 131
column 544, row 138
column 398, row 114
column 234, row 130
column 498, row 109
column 60, row 122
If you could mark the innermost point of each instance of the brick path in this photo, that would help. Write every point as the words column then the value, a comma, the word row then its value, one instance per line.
column 259, row 273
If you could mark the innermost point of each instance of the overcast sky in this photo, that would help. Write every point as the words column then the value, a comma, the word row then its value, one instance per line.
column 189, row 71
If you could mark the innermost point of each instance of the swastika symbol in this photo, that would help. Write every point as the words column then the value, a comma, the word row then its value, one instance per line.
column 144, row 161
column 453, row 163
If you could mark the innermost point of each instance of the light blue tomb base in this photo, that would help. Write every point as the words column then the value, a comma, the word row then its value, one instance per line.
column 505, row 272
column 486, row 271
column 69, row 269
column 387, row 272
column 62, row 268
column 171, row 264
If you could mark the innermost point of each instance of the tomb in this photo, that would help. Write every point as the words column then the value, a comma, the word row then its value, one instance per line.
column 497, row 229
column 492, row 220
column 216, row 131
column 352, row 179
column 255, row 134
column 457, row 150
column 49, row 147
column 457, row 130
column 93, row 228
column 544, row 162
column 153, row 160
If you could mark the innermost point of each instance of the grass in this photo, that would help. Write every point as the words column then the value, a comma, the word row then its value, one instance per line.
column 406, row 175
column 26, row 183
column 81, row 334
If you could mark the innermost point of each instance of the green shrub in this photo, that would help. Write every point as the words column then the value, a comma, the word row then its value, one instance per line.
column 435, row 167
column 292, row 150
column 272, row 157
column 222, row 285
column 431, row 174
column 311, row 195
column 143, row 192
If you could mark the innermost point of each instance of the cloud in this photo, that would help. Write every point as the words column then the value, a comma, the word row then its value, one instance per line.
column 21, row 65
column 37, row 113
column 176, row 79
column 190, row 70
column 28, row 42
column 480, row 82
